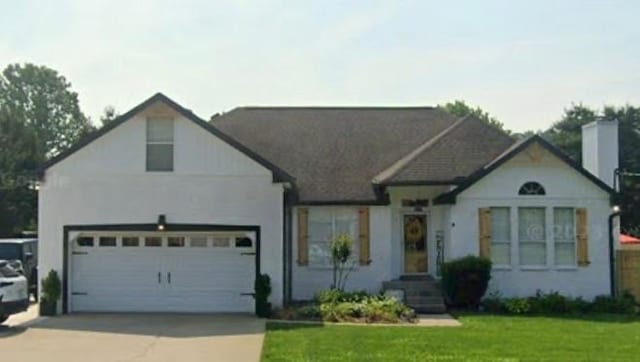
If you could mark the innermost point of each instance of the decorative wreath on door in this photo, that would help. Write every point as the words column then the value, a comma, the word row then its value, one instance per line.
column 414, row 230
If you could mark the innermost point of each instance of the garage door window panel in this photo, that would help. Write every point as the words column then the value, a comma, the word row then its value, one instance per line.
column 130, row 241
column 198, row 241
column 107, row 241
column 244, row 242
column 221, row 242
column 85, row 241
column 176, row 241
column 153, row 241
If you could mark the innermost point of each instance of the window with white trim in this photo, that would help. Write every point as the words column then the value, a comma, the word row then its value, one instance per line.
column 160, row 144
column 325, row 224
column 532, row 236
column 500, row 236
column 564, row 236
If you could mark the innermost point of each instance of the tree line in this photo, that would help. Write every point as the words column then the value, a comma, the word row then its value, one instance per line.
column 40, row 116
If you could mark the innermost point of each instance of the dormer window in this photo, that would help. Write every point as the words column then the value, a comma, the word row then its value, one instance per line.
column 532, row 188
column 160, row 144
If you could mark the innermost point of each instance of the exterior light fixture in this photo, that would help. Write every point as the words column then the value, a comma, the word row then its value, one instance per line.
column 33, row 185
column 162, row 223
column 615, row 208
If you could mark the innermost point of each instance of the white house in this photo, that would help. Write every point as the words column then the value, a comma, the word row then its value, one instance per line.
column 163, row 211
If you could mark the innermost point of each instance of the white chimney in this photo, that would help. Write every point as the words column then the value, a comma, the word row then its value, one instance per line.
column 600, row 149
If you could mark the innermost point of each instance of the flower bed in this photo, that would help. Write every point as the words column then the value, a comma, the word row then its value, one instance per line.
column 337, row 306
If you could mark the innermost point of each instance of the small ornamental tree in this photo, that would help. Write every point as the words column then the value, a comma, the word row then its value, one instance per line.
column 340, row 249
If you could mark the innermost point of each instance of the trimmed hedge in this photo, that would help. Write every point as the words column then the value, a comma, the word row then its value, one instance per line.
column 465, row 281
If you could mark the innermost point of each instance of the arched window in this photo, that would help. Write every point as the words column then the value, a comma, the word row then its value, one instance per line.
column 532, row 188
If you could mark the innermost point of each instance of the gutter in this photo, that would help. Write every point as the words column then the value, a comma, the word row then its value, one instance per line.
column 286, row 247
column 612, row 277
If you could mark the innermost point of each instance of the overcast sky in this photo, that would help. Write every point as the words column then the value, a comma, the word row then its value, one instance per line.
column 522, row 63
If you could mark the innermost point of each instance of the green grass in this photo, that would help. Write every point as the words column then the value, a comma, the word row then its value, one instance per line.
column 481, row 338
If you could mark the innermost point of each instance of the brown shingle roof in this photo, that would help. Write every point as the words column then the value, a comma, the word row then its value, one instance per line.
column 335, row 153
column 465, row 147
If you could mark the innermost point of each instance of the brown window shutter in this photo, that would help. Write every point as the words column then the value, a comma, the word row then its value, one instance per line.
column 484, row 217
column 363, row 224
column 303, row 236
column 582, row 237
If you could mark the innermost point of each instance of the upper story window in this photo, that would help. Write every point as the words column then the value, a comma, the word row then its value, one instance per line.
column 159, row 144
column 532, row 188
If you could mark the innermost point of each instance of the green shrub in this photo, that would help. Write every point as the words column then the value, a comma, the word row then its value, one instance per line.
column 623, row 304
column 309, row 312
column 386, row 309
column 550, row 303
column 51, row 288
column 493, row 303
column 555, row 303
column 262, row 290
column 579, row 306
column 339, row 296
column 465, row 280
column 517, row 305
column 333, row 305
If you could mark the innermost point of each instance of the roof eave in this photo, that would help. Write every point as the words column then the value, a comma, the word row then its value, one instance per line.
column 453, row 182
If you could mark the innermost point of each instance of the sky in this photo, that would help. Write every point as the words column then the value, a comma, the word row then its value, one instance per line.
column 523, row 62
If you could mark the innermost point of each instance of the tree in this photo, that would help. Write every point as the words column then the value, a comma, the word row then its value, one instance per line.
column 18, row 161
column 461, row 109
column 43, row 100
column 525, row 134
column 109, row 114
column 567, row 132
column 340, row 249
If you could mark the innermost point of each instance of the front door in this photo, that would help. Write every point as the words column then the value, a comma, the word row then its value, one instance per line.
column 415, row 243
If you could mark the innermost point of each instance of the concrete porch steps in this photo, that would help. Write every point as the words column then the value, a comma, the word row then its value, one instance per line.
column 422, row 293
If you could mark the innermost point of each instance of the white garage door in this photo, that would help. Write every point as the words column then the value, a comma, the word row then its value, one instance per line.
column 162, row 272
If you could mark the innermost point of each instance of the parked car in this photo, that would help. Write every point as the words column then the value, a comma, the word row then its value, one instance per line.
column 14, row 291
column 25, row 251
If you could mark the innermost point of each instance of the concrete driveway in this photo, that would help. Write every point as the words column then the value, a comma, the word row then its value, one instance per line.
column 135, row 337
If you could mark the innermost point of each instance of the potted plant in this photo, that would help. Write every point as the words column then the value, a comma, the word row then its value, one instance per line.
column 262, row 289
column 50, row 294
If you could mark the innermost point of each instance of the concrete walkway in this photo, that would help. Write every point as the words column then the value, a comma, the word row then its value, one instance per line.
column 437, row 320
column 424, row 320
column 139, row 337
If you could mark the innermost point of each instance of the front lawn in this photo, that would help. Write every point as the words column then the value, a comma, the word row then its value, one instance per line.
column 481, row 338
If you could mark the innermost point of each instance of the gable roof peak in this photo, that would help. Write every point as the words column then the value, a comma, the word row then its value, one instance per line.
column 278, row 174
column 511, row 152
